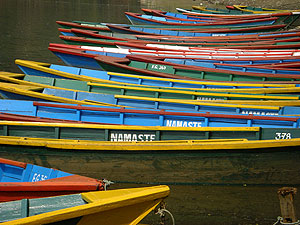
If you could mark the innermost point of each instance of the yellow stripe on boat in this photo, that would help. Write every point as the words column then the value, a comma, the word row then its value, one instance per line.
column 44, row 68
column 199, row 93
column 279, row 103
column 182, row 145
column 221, row 103
column 266, row 10
column 233, row 90
column 100, row 126
column 16, row 89
column 23, row 91
column 113, row 207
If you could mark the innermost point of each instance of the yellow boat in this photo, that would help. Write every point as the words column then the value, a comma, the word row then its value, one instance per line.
column 114, row 207
column 243, row 8
column 261, row 10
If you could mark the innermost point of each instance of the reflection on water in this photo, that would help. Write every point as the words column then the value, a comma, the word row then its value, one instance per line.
column 29, row 26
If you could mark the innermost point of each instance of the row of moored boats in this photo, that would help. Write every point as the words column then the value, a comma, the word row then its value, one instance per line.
column 197, row 80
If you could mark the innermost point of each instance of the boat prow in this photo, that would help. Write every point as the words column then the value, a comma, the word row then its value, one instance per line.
column 123, row 206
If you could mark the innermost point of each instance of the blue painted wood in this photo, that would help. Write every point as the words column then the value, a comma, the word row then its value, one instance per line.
column 132, row 80
column 114, row 115
column 29, row 207
column 31, row 173
column 148, row 19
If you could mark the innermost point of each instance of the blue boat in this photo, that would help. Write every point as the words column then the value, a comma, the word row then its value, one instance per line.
column 83, row 56
column 77, row 73
column 137, row 18
column 20, row 180
column 143, row 117
column 127, row 29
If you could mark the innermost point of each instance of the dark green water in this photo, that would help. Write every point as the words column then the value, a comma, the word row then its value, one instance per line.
column 27, row 28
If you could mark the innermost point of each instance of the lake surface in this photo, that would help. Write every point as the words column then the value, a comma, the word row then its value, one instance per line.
column 28, row 26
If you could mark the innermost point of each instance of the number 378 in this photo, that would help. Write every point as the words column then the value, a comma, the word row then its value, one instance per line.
column 279, row 136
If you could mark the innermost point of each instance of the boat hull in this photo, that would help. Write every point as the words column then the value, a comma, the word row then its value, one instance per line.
column 256, row 167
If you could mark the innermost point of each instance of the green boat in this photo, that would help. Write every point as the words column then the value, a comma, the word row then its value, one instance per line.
column 144, row 91
column 117, row 133
column 210, row 162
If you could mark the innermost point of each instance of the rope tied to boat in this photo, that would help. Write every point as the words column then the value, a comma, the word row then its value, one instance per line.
column 280, row 221
column 107, row 183
column 161, row 211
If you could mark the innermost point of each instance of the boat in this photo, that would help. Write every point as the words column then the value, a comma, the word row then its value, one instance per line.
column 83, row 56
column 157, row 12
column 155, row 103
column 116, row 207
column 289, row 17
column 119, row 133
column 135, row 18
column 195, row 162
column 54, row 94
column 256, row 10
column 20, row 180
column 81, row 74
column 128, row 29
column 26, row 90
column 93, row 89
column 147, row 66
column 113, row 41
column 18, row 110
column 235, row 15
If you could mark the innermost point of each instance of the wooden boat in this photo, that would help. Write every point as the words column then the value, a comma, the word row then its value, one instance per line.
column 124, row 206
column 236, row 14
column 287, row 17
column 93, row 89
column 159, row 103
column 119, row 133
column 61, row 71
column 242, row 37
column 97, row 91
column 236, row 38
column 51, row 112
column 195, row 43
column 52, row 70
column 256, row 10
column 192, row 42
column 281, row 68
column 154, row 146
column 20, row 180
column 172, row 15
column 83, row 25
column 51, row 93
column 128, row 29
column 83, row 56
column 145, row 66
column 184, row 51
column 146, row 19
column 217, row 162
column 229, row 10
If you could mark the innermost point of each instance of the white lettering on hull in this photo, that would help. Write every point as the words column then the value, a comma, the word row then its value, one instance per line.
column 131, row 137
column 179, row 123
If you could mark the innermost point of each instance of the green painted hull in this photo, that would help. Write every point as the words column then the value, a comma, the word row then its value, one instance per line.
column 152, row 92
column 186, row 73
column 259, row 167
column 139, row 133
column 158, row 26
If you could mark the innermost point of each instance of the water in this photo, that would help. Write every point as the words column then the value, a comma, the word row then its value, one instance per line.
column 27, row 28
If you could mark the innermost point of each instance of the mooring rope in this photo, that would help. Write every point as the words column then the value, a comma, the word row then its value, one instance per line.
column 161, row 213
column 280, row 221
